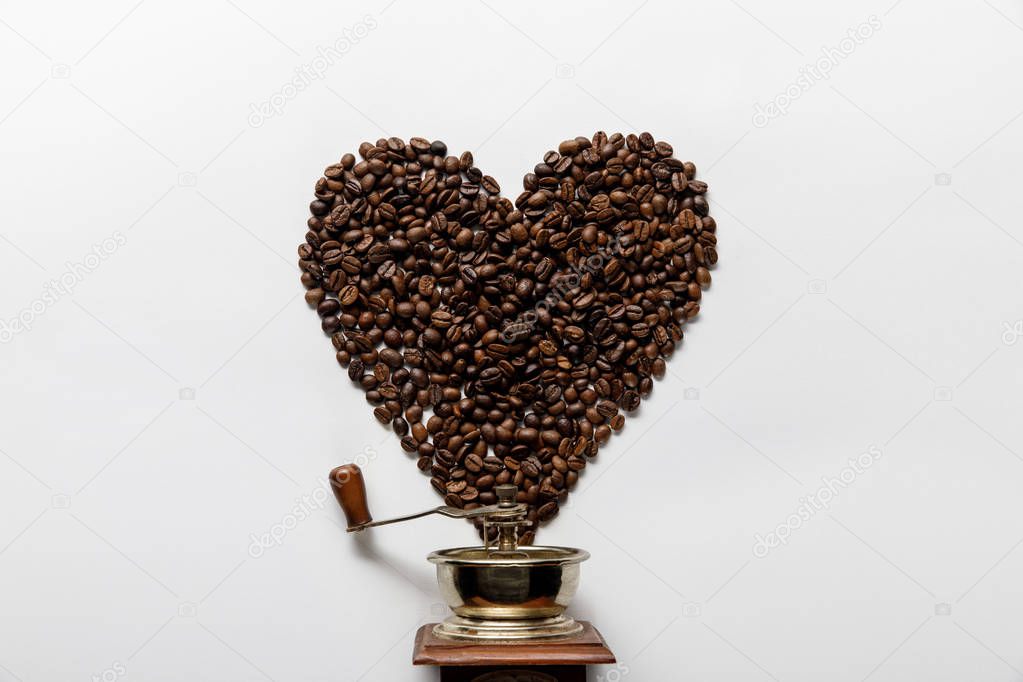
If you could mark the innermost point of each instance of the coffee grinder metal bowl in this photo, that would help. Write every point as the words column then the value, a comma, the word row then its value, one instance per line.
column 497, row 591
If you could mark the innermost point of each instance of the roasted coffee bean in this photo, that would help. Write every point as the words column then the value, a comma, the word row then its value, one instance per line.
column 474, row 463
column 490, row 185
column 356, row 369
column 530, row 325
column 419, row 432
column 391, row 358
column 530, row 467
column 547, row 511
column 607, row 408
column 348, row 295
column 630, row 401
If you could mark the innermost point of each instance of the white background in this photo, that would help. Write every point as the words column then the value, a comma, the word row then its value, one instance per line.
column 181, row 399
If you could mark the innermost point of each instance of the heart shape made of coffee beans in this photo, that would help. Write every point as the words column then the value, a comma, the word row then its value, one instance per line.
column 501, row 339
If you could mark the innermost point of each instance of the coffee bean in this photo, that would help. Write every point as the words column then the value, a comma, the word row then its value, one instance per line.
column 474, row 463
column 630, row 401
column 314, row 296
column 530, row 324
column 530, row 467
column 356, row 369
column 391, row 358
column 703, row 277
column 607, row 409
column 348, row 295
column 526, row 435
column 490, row 185
column 547, row 511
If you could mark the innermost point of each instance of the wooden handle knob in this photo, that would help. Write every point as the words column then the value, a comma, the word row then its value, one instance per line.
column 350, row 491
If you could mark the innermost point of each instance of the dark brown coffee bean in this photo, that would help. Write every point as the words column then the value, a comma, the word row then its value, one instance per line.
column 474, row 463
column 607, row 408
column 530, row 467
column 526, row 435
column 630, row 401
column 348, row 295
column 391, row 358
column 356, row 369
column 703, row 277
column 574, row 334
column 547, row 511
column 490, row 185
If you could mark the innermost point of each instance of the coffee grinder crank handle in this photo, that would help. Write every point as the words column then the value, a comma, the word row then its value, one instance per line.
column 350, row 490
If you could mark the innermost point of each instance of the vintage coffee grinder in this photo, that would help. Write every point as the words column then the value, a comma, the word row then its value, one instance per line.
column 508, row 601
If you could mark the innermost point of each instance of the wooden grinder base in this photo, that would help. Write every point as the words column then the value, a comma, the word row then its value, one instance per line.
column 561, row 660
